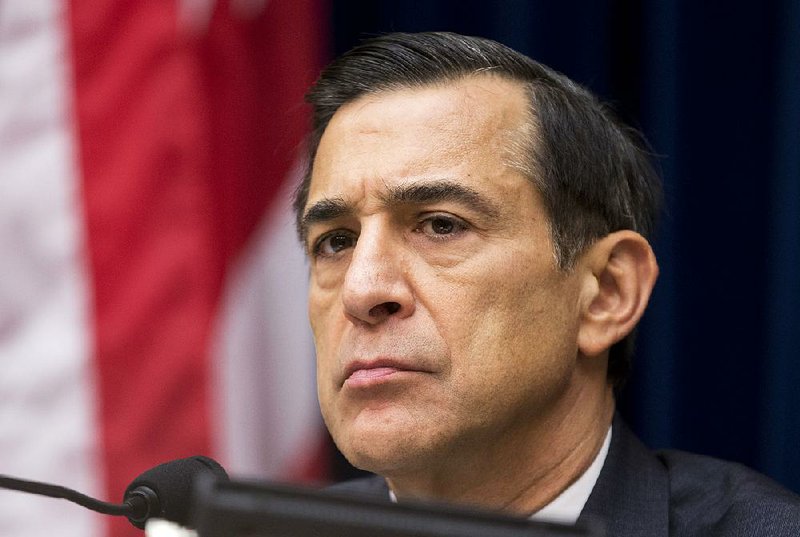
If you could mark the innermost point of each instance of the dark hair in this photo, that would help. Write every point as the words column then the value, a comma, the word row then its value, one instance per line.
column 594, row 174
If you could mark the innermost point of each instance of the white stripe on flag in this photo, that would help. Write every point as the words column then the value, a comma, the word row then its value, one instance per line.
column 268, row 420
column 46, row 390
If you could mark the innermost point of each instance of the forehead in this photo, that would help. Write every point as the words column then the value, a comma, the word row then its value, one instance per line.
column 464, row 129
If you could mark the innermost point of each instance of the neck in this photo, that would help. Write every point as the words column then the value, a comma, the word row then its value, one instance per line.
column 521, row 471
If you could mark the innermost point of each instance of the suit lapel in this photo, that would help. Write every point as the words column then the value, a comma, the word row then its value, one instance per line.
column 631, row 496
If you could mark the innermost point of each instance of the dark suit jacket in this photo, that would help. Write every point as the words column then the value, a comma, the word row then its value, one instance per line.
column 640, row 493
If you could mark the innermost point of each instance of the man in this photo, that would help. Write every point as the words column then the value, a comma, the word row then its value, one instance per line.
column 477, row 230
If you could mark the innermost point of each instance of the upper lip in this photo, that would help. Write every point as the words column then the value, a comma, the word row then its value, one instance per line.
column 396, row 363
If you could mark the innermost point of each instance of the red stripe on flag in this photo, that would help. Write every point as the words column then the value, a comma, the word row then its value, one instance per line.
column 183, row 141
column 142, row 131
column 257, row 72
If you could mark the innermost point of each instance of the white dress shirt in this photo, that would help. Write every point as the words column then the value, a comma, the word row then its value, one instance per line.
column 567, row 506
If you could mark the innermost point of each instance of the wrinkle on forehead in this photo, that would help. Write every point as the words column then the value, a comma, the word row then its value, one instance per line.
column 464, row 106
column 430, row 130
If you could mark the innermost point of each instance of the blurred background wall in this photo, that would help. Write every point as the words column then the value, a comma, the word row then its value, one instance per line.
column 152, row 294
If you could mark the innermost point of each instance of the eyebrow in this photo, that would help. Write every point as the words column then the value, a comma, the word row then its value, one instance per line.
column 435, row 191
column 438, row 191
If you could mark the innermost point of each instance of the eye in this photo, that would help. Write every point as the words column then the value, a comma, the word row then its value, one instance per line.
column 442, row 226
column 334, row 242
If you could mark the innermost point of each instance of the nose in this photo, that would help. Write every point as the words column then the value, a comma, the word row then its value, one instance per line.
column 376, row 285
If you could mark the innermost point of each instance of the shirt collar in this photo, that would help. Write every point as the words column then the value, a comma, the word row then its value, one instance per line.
column 567, row 506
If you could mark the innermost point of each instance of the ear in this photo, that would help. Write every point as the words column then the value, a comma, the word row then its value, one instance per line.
column 620, row 271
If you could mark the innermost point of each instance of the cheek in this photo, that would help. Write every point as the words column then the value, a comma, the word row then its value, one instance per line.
column 327, row 329
column 322, row 311
column 327, row 367
column 495, row 297
column 510, row 324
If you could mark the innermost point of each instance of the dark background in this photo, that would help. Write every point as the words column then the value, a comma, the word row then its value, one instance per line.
column 716, row 90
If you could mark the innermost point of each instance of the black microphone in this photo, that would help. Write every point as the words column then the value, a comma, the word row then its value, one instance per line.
column 166, row 491
column 161, row 492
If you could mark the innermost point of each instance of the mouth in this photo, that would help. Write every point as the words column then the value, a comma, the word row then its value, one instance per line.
column 366, row 373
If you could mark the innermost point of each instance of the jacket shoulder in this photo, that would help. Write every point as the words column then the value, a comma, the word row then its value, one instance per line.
column 713, row 497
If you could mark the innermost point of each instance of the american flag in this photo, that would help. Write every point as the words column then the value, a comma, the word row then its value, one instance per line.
column 152, row 292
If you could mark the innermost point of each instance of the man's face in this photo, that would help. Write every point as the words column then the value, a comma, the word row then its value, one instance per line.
column 442, row 323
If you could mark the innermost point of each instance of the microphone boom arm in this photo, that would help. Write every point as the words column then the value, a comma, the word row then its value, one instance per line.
column 164, row 491
column 56, row 491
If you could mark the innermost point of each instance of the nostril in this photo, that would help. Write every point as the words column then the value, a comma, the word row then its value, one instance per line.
column 387, row 308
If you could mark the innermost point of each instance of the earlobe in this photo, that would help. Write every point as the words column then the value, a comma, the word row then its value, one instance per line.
column 621, row 271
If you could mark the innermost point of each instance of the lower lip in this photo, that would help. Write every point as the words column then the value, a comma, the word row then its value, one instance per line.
column 362, row 378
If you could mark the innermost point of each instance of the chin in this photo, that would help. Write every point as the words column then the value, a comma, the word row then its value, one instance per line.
column 375, row 453
column 383, row 450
